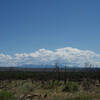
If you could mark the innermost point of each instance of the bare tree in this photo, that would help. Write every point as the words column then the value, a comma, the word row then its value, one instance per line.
column 57, row 70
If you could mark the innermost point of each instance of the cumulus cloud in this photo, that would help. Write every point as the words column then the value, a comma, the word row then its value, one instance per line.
column 68, row 55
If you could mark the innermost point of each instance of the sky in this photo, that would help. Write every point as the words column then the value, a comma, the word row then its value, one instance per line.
column 30, row 25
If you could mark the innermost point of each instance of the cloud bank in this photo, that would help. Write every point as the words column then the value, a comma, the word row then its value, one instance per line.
column 68, row 55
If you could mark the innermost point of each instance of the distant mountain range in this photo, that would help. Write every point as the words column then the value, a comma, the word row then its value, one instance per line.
column 36, row 66
column 47, row 66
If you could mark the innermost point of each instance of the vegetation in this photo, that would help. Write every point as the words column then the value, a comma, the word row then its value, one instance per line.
column 69, row 75
column 71, row 87
column 48, row 90
column 4, row 95
column 57, row 85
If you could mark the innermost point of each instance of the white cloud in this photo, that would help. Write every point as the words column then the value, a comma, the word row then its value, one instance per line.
column 67, row 55
column 5, row 60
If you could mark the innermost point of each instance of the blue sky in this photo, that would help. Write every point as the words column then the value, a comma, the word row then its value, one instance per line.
column 28, row 25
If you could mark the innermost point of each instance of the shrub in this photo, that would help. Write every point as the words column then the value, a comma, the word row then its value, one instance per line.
column 57, row 83
column 4, row 95
column 24, row 89
column 86, row 84
column 47, row 85
column 71, row 87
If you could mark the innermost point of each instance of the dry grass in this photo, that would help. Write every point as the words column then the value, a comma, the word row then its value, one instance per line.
column 28, row 90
